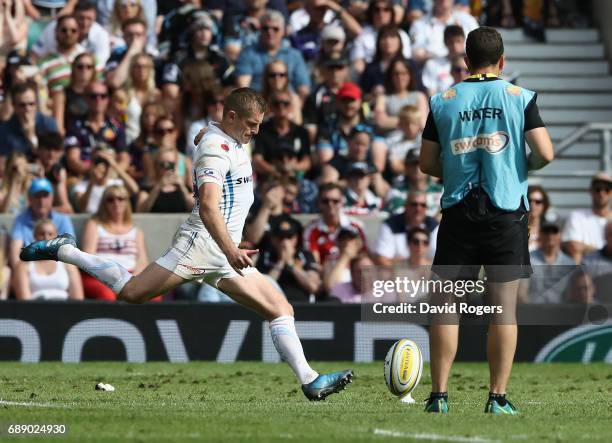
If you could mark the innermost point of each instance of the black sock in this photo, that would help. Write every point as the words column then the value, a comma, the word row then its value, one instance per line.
column 500, row 398
column 436, row 395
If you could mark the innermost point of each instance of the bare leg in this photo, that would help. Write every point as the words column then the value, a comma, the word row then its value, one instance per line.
column 151, row 282
column 443, row 348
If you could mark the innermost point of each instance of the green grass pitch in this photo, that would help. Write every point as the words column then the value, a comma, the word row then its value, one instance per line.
column 257, row 402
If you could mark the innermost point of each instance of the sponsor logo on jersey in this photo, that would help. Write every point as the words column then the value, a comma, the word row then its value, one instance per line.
column 449, row 94
column 513, row 90
column 492, row 143
column 244, row 180
column 225, row 147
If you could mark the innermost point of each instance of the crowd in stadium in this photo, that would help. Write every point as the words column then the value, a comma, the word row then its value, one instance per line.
column 100, row 102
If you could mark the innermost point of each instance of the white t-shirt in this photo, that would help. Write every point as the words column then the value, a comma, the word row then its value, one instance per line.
column 394, row 245
column 364, row 46
column 96, row 193
column 437, row 75
column 222, row 160
column 97, row 42
column 585, row 227
column 428, row 32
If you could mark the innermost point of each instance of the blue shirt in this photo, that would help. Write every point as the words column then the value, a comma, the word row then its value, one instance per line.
column 253, row 60
column 480, row 125
column 13, row 138
column 23, row 227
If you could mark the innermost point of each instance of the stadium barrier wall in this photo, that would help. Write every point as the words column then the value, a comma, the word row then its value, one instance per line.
column 181, row 332
column 159, row 228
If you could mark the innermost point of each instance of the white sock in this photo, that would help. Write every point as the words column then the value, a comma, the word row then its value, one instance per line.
column 288, row 345
column 110, row 273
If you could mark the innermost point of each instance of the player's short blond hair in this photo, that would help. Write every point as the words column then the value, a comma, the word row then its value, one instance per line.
column 244, row 102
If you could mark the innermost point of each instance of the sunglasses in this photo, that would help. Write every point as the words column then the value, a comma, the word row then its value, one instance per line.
column 98, row 95
column 270, row 28
column 84, row 67
column 419, row 241
column 68, row 30
column 277, row 74
column 330, row 201
column 165, row 131
column 115, row 198
column 283, row 103
column 536, row 201
column 418, row 205
column 166, row 165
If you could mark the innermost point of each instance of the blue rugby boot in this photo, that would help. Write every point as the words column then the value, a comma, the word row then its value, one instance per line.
column 46, row 249
column 437, row 404
column 500, row 406
column 327, row 384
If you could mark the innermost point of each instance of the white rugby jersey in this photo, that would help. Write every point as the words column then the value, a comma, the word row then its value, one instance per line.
column 220, row 159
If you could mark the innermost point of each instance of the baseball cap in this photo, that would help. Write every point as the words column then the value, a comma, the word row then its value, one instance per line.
column 201, row 20
column 601, row 177
column 333, row 32
column 359, row 169
column 335, row 60
column 413, row 156
column 349, row 90
column 40, row 185
column 550, row 226
column 285, row 226
column 16, row 58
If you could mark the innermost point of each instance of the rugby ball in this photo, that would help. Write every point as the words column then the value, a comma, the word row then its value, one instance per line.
column 403, row 367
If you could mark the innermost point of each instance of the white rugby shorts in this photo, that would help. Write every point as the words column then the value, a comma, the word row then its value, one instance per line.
column 196, row 256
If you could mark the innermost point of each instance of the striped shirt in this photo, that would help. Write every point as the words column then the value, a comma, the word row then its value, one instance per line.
column 56, row 68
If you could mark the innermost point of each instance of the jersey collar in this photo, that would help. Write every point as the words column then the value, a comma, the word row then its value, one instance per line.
column 482, row 77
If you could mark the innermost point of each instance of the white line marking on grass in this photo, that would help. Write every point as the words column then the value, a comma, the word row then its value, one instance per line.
column 35, row 405
column 433, row 437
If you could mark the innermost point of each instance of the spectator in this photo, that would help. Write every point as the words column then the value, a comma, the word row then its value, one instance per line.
column 388, row 49
column 414, row 180
column 404, row 139
column 391, row 244
column 361, row 149
column 337, row 269
column 285, row 164
column 437, row 71
column 20, row 133
column 166, row 136
column 321, row 235
column 459, row 70
column 320, row 106
column 380, row 13
column 279, row 131
column 197, row 78
column 105, row 9
column 599, row 263
column 360, row 200
column 168, row 193
column 174, row 32
column 14, row 72
column 5, row 270
column 268, row 211
column 213, row 99
column 276, row 80
column 351, row 291
column 245, row 27
column 123, row 10
column 538, row 208
column 117, row 68
column 15, row 184
column 47, row 279
column 418, row 246
column 51, row 156
column 56, row 67
column 552, row 268
column 13, row 27
column 254, row 58
column 92, row 37
column 104, row 173
column 40, row 198
column 140, row 89
column 584, row 230
column 97, row 128
column 581, row 289
column 294, row 269
column 110, row 233
column 427, row 33
column 308, row 39
column 333, row 136
column 141, row 162
column 400, row 91
column 69, row 104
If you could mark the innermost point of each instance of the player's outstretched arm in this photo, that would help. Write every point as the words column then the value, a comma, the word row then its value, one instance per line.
column 210, row 196
column 430, row 160
column 542, row 151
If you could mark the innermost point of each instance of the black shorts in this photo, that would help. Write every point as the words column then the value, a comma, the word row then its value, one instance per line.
column 475, row 233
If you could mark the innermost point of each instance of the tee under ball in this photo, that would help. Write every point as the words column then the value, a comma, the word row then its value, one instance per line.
column 105, row 387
